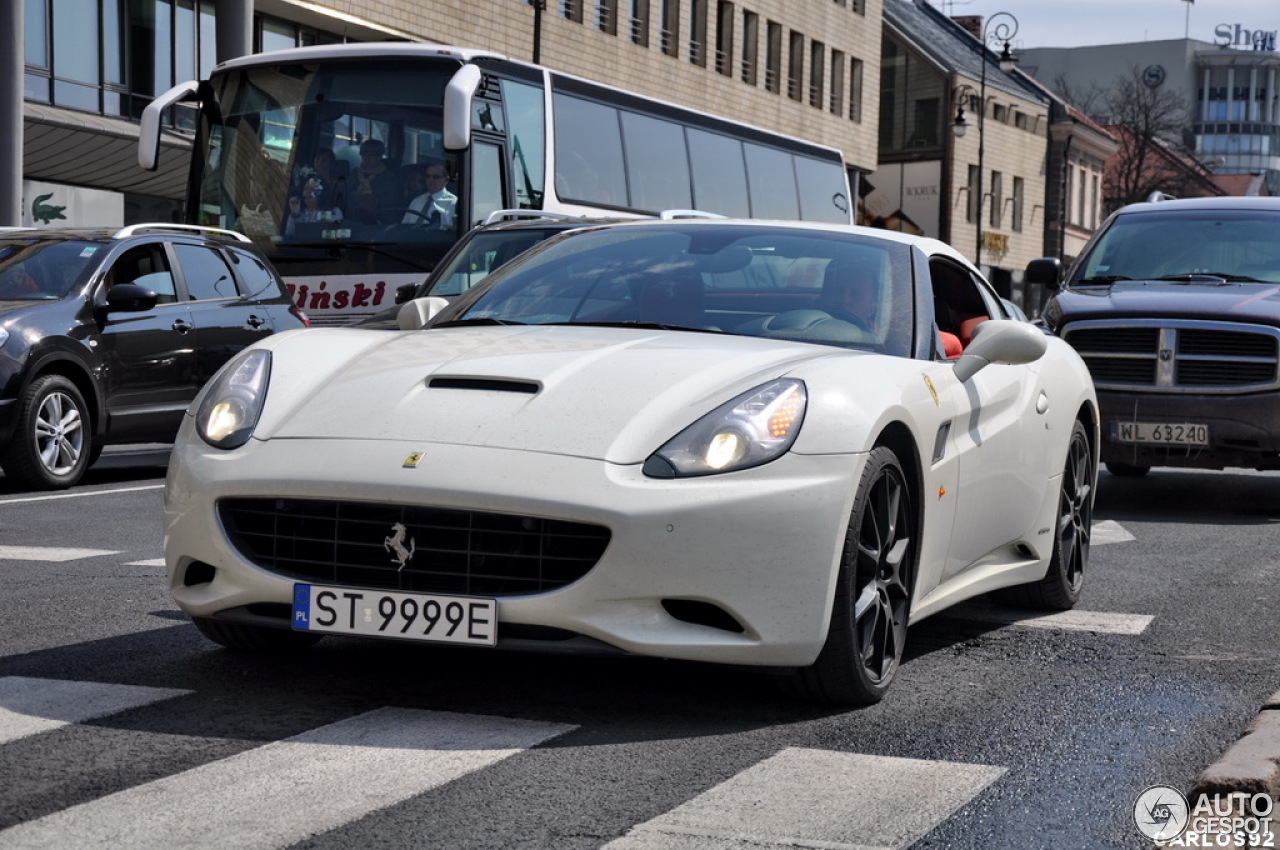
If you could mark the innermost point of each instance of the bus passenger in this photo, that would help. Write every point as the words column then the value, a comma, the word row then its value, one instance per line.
column 435, row 207
column 310, row 207
column 324, row 165
column 377, row 189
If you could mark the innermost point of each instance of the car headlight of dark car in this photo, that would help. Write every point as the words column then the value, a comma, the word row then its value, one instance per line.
column 233, row 401
column 752, row 429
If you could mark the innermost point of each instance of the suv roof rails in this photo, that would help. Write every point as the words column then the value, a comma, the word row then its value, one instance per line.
column 518, row 215
column 1156, row 197
column 669, row 215
column 132, row 229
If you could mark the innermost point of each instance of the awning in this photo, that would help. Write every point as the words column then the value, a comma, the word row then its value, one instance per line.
column 85, row 149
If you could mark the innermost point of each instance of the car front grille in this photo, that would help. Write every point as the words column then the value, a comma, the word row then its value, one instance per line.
column 1178, row 356
column 450, row 551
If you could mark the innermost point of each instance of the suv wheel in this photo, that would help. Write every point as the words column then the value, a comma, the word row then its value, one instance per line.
column 51, row 444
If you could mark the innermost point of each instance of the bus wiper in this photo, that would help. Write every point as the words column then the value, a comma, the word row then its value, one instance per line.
column 1222, row 276
column 369, row 245
column 484, row 320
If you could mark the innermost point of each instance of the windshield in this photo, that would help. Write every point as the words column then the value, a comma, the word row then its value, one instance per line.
column 35, row 269
column 776, row 282
column 1234, row 245
column 483, row 253
column 309, row 159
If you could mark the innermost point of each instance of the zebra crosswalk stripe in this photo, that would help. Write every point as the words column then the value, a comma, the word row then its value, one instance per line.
column 50, row 553
column 819, row 799
column 283, row 792
column 31, row 706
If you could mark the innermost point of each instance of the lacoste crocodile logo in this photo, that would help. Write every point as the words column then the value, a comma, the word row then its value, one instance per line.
column 396, row 543
column 46, row 212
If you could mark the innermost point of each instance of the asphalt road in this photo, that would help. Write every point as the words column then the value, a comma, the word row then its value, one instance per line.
column 121, row 726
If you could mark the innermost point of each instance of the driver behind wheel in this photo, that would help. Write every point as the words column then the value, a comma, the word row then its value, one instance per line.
column 433, row 205
column 851, row 293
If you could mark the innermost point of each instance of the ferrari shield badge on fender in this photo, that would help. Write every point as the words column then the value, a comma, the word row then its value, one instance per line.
column 412, row 461
column 928, row 383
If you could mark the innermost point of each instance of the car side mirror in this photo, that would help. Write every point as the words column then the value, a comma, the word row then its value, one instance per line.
column 405, row 291
column 1007, row 342
column 414, row 315
column 1046, row 271
column 130, row 298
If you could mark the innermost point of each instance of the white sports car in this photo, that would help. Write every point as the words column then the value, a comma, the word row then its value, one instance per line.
column 752, row 443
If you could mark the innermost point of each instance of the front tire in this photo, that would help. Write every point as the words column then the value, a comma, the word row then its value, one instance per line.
column 1059, row 590
column 873, row 591
column 51, row 446
column 1126, row 470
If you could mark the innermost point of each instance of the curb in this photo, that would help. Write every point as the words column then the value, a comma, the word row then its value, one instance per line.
column 1252, row 764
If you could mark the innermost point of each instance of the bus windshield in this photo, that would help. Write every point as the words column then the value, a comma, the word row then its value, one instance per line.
column 337, row 160
column 356, row 167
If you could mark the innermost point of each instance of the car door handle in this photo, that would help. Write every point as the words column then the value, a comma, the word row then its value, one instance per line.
column 255, row 322
column 182, row 326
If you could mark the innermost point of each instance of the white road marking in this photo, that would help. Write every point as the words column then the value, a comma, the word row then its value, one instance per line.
column 1081, row 621
column 50, row 553
column 30, row 706
column 153, row 562
column 81, row 494
column 286, row 791
column 1109, row 531
column 817, row 799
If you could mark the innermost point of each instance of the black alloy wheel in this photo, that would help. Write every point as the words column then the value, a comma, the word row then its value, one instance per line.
column 874, row 589
column 1060, row 589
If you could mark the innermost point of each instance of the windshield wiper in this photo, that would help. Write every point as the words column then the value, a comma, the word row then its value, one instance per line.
column 486, row 320
column 653, row 326
column 1223, row 276
column 1103, row 278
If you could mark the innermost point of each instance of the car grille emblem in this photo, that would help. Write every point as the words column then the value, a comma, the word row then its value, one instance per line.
column 1166, row 355
column 395, row 543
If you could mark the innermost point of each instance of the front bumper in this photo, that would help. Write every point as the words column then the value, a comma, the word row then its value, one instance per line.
column 1244, row 431
column 762, row 545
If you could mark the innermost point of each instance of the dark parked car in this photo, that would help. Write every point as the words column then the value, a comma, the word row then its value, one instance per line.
column 106, row 335
column 1175, row 307
column 503, row 235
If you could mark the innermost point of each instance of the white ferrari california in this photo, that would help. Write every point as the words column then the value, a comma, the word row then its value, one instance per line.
column 743, row 442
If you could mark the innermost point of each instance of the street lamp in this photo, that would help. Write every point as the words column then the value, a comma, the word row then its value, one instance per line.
column 999, row 28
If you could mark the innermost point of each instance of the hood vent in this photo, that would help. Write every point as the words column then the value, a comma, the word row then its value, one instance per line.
column 493, row 384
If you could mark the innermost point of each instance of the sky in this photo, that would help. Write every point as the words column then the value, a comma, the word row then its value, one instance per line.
column 1077, row 23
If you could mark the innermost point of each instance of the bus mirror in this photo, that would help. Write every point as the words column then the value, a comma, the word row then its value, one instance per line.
column 457, row 107
column 153, row 120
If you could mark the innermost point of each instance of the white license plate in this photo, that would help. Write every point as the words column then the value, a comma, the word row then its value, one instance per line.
column 385, row 613
column 1161, row 433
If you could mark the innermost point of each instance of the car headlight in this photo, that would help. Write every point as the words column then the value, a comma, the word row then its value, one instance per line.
column 232, row 403
column 752, row 429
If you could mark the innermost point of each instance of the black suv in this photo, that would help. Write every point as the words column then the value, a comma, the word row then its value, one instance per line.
column 106, row 335
column 1175, row 307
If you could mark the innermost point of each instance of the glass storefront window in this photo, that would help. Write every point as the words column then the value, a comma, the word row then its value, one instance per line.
column 114, row 56
column 35, row 33
column 75, row 44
